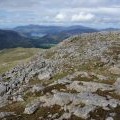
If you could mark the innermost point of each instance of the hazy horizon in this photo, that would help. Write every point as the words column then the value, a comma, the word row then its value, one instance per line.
column 60, row 25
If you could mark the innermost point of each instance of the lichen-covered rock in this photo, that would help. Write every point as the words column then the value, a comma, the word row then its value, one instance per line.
column 32, row 107
column 6, row 114
column 96, row 100
column 17, row 98
column 115, row 70
column 59, row 98
column 3, row 89
column 109, row 118
column 44, row 76
column 3, row 100
column 65, row 116
column 88, row 86
column 117, row 86
column 84, row 111
column 37, row 88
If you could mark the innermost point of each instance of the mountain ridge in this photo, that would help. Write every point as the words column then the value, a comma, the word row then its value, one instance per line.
column 49, row 29
column 41, row 36
column 77, row 79
column 38, row 36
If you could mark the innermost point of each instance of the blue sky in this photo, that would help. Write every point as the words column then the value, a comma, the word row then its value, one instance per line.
column 94, row 13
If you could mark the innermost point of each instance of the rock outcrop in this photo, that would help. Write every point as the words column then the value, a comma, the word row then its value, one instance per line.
column 77, row 79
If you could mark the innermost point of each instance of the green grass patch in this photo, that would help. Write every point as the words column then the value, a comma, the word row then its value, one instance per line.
column 11, row 57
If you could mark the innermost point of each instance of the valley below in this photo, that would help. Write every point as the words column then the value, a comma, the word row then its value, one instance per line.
column 78, row 79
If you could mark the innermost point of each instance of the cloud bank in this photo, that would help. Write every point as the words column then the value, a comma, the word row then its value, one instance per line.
column 96, row 13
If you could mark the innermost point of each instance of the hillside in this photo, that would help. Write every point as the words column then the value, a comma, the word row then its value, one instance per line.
column 79, row 79
column 38, row 36
column 9, row 58
column 46, row 36
column 11, row 39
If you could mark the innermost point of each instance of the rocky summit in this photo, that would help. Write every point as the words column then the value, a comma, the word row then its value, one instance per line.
column 79, row 79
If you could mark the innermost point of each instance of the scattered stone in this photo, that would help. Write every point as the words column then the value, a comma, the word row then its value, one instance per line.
column 55, row 115
column 96, row 100
column 65, row 116
column 32, row 107
column 59, row 98
column 3, row 100
column 109, row 118
column 112, row 114
column 117, row 86
column 115, row 70
column 37, row 88
column 18, row 98
column 88, row 86
column 83, row 112
column 2, row 89
column 104, row 60
column 101, row 77
column 6, row 114
column 45, row 76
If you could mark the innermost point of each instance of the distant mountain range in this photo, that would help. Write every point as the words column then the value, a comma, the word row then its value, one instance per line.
column 45, row 36
column 110, row 29
column 51, row 30
column 41, row 36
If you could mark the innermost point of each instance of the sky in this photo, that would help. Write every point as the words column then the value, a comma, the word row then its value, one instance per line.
column 92, row 13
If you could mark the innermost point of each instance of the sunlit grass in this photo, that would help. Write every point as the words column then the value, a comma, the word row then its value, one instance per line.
column 11, row 57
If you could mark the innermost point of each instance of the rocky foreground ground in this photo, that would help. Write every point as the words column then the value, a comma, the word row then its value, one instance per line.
column 77, row 80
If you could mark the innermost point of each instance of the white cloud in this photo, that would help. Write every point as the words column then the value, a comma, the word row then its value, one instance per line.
column 83, row 17
column 60, row 17
column 60, row 11
column 73, row 16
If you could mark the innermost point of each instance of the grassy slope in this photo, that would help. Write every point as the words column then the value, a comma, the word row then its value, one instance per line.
column 11, row 57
